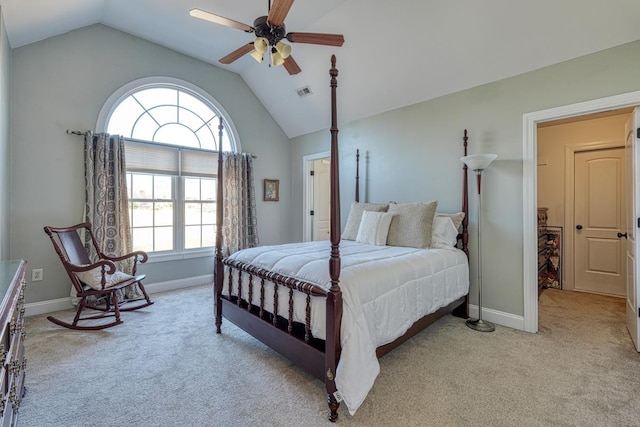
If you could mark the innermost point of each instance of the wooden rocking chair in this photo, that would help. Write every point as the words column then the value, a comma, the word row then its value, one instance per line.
column 96, row 284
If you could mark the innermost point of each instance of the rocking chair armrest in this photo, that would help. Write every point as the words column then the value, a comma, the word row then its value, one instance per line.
column 110, row 267
column 141, row 257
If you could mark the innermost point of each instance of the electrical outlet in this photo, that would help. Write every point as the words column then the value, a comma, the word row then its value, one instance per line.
column 36, row 274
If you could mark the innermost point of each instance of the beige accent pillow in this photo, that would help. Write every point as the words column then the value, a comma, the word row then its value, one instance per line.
column 412, row 224
column 455, row 217
column 350, row 231
column 93, row 278
column 374, row 228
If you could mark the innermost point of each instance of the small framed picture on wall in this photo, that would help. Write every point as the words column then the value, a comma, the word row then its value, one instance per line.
column 271, row 190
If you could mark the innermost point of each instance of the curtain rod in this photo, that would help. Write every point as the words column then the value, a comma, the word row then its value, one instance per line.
column 80, row 133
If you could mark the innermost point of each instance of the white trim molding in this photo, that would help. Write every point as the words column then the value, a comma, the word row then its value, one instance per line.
column 530, row 191
column 59, row 304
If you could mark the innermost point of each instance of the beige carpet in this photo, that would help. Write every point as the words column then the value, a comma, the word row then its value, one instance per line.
column 165, row 366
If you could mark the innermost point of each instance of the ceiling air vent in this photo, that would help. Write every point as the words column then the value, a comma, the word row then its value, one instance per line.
column 305, row 91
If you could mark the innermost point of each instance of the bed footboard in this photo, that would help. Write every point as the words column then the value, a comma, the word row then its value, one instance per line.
column 258, row 292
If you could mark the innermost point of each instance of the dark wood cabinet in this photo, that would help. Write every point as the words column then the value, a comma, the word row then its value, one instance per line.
column 12, row 335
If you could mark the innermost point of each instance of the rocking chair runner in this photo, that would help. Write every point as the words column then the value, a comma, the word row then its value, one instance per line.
column 95, row 282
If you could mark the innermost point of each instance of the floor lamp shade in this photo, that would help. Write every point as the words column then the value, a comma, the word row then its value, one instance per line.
column 478, row 163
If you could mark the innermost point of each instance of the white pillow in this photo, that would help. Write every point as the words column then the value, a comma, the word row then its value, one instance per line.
column 374, row 228
column 355, row 215
column 93, row 278
column 455, row 217
column 444, row 234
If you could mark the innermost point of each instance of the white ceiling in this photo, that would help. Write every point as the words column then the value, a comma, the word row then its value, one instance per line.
column 396, row 52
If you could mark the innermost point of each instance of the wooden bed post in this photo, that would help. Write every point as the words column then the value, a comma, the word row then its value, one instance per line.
column 218, row 270
column 334, row 298
column 465, row 199
column 463, row 309
column 357, row 175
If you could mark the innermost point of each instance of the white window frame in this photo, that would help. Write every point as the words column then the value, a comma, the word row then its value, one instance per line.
column 157, row 81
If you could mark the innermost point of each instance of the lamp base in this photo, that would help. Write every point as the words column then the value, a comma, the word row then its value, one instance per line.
column 481, row 325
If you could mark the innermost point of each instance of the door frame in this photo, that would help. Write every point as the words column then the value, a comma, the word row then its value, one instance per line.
column 530, row 187
column 569, row 200
column 306, row 193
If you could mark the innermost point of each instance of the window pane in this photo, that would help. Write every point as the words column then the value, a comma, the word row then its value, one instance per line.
column 192, row 188
column 208, row 136
column 208, row 189
column 144, row 128
column 162, row 187
column 129, row 185
column 164, row 114
column 163, row 213
column 192, row 236
column 123, row 117
column 192, row 213
column 177, row 135
column 198, row 107
column 142, row 186
column 155, row 96
column 142, row 239
column 192, row 121
column 208, row 235
column 208, row 213
column 142, row 214
column 164, row 238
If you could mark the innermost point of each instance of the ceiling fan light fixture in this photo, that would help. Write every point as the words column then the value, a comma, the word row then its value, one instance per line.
column 261, row 44
column 257, row 55
column 276, row 58
column 268, row 32
column 283, row 49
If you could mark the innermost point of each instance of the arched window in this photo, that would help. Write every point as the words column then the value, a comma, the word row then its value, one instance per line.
column 172, row 137
column 169, row 114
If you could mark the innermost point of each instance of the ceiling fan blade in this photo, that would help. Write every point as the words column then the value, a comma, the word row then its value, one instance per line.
column 291, row 66
column 207, row 16
column 237, row 54
column 278, row 12
column 316, row 38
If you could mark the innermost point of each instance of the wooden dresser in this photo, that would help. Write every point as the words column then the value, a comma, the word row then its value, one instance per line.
column 543, row 250
column 14, row 363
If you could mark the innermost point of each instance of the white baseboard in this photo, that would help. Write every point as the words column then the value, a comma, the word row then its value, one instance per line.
column 33, row 309
column 50, row 306
column 498, row 317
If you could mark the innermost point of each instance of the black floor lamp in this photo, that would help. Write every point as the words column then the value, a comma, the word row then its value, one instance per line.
column 478, row 163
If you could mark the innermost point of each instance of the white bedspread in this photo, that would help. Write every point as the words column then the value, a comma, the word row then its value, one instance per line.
column 385, row 290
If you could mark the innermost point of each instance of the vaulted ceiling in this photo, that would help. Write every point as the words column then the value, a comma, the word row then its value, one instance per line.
column 396, row 53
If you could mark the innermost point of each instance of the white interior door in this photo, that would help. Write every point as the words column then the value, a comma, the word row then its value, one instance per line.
column 599, row 215
column 321, row 200
column 633, row 222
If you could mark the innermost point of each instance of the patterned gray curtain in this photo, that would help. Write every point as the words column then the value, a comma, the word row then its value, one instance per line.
column 240, row 226
column 107, row 204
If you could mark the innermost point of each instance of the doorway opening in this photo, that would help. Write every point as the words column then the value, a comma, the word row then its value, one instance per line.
column 580, row 170
column 530, row 179
column 316, row 202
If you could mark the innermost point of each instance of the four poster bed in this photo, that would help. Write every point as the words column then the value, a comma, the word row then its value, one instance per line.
column 340, row 306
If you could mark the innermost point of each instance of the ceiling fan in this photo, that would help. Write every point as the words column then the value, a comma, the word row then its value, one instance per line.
column 270, row 31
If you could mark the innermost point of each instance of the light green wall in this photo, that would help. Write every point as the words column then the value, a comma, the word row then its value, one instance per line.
column 5, row 155
column 413, row 154
column 62, row 83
